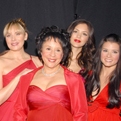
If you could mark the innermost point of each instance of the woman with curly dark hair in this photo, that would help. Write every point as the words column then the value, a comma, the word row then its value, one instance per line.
column 103, row 87
column 83, row 47
column 52, row 92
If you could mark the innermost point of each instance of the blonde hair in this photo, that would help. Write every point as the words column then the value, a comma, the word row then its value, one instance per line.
column 15, row 22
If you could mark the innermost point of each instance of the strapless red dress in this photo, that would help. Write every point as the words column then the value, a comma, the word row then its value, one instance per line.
column 57, row 103
column 52, row 104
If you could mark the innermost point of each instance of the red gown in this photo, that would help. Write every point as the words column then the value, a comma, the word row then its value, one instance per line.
column 7, row 108
column 99, row 112
column 57, row 103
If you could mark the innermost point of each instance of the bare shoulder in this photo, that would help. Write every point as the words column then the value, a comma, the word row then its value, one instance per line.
column 36, row 61
column 3, row 61
column 3, row 57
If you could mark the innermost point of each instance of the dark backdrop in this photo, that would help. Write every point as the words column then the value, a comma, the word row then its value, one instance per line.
column 105, row 15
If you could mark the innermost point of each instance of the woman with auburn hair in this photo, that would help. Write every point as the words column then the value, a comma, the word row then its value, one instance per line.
column 13, row 64
column 82, row 47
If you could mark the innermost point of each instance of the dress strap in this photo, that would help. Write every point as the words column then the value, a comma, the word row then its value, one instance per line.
column 30, row 57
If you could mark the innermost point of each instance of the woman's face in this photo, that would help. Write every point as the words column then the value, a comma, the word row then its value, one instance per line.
column 110, row 54
column 15, row 38
column 80, row 36
column 52, row 53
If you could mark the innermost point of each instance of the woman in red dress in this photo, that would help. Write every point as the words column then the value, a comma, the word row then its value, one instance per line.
column 13, row 63
column 103, row 87
column 52, row 92
column 82, row 45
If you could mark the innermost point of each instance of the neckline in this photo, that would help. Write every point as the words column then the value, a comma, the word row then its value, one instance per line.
column 48, row 87
column 17, row 67
column 93, row 99
column 51, row 74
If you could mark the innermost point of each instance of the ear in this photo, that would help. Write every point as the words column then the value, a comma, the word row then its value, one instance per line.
column 26, row 36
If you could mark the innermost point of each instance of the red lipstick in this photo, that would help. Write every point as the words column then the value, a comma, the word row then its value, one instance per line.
column 76, row 40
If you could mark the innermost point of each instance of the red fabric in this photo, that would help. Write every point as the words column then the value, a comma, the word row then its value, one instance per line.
column 6, row 109
column 54, row 101
column 98, row 111
column 76, row 92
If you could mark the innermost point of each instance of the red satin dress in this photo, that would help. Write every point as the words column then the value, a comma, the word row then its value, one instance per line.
column 7, row 108
column 99, row 112
column 57, row 103
column 52, row 104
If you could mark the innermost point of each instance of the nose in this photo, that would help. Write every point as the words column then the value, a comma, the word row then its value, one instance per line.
column 12, row 38
column 52, row 53
column 108, row 54
column 78, row 35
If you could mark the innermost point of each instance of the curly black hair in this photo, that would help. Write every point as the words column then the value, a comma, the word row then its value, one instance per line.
column 58, row 34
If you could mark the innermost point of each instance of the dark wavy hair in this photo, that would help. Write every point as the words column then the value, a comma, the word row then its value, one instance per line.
column 85, row 56
column 59, row 35
column 93, row 82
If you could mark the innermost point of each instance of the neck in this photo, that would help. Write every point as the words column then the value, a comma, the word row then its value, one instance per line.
column 17, row 54
column 50, row 71
column 106, row 71
column 75, row 52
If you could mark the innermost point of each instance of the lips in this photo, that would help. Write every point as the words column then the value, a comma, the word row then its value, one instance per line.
column 108, row 60
column 52, row 60
column 14, row 44
column 76, row 40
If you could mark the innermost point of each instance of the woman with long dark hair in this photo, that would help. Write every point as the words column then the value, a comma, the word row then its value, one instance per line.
column 103, row 87
column 82, row 42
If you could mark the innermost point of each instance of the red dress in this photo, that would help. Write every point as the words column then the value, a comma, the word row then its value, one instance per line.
column 99, row 112
column 6, row 109
column 57, row 103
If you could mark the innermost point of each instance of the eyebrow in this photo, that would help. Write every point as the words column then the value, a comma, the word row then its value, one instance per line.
column 83, row 30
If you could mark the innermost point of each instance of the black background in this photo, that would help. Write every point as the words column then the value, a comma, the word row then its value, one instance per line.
column 105, row 15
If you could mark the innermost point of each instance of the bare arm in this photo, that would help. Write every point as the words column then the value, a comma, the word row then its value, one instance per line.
column 6, row 91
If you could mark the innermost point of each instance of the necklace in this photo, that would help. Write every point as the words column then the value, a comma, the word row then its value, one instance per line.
column 50, row 75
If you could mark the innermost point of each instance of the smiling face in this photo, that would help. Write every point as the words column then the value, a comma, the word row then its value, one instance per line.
column 52, row 53
column 110, row 54
column 79, row 36
column 15, row 37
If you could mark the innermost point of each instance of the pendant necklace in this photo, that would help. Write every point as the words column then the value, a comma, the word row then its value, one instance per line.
column 50, row 75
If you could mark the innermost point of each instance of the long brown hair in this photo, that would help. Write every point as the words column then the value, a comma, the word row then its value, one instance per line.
column 85, row 57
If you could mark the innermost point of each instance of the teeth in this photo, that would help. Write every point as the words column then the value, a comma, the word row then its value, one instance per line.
column 51, row 60
column 108, row 60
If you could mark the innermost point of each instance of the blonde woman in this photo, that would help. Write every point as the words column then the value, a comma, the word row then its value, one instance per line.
column 13, row 63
